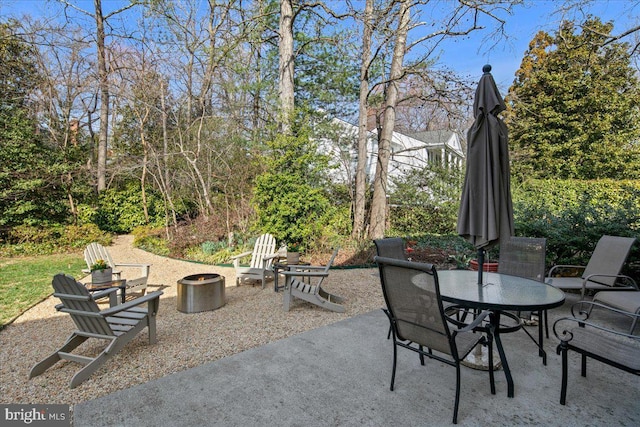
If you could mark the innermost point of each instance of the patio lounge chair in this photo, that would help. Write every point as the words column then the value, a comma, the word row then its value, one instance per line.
column 415, row 311
column 260, row 266
column 117, row 325
column 593, row 340
column 602, row 272
column 136, row 284
column 297, row 286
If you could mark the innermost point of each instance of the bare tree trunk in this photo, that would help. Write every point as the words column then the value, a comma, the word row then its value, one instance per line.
column 379, row 201
column 104, row 98
column 145, row 160
column 361, row 177
column 286, row 69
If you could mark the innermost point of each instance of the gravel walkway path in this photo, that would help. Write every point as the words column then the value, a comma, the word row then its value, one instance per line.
column 251, row 317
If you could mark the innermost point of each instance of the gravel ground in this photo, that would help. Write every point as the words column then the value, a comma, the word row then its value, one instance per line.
column 251, row 317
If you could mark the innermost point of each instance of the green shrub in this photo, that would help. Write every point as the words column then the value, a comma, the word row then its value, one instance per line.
column 573, row 215
column 29, row 240
column 87, row 214
column 121, row 210
column 79, row 236
column 292, row 200
column 426, row 201
column 210, row 247
column 429, row 218
column 151, row 239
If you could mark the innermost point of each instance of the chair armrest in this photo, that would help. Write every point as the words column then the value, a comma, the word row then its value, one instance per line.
column 236, row 258
column 242, row 255
column 103, row 293
column 305, row 273
column 144, row 269
column 267, row 259
column 272, row 256
column 550, row 274
column 582, row 312
column 468, row 327
column 582, row 322
column 307, row 267
column 131, row 304
column 132, row 265
column 566, row 335
column 94, row 296
column 620, row 276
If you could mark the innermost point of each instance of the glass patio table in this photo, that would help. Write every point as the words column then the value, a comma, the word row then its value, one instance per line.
column 498, row 293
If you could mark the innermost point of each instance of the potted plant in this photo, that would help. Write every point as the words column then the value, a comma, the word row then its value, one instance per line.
column 487, row 266
column 101, row 272
column 293, row 253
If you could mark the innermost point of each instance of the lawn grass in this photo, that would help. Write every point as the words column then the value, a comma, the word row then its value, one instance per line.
column 25, row 281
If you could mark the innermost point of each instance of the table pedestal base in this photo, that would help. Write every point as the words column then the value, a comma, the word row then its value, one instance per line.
column 479, row 359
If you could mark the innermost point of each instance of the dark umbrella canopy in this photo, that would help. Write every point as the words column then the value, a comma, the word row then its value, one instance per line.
column 486, row 212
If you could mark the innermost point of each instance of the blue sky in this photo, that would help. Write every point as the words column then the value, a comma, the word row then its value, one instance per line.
column 466, row 55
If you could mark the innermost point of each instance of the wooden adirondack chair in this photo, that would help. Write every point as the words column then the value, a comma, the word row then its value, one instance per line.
column 137, row 282
column 295, row 286
column 262, row 256
column 117, row 325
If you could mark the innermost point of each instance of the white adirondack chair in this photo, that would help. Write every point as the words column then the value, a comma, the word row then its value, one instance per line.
column 262, row 256
column 136, row 283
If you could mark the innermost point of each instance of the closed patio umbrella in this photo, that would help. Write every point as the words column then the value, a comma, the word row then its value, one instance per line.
column 486, row 211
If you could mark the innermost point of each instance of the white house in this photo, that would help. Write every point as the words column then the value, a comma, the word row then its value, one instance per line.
column 407, row 152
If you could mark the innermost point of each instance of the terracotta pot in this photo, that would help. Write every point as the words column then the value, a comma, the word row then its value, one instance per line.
column 491, row 267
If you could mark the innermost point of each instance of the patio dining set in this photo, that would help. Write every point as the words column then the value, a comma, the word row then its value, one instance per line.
column 444, row 315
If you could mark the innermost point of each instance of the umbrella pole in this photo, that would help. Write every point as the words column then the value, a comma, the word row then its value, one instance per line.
column 480, row 264
column 479, row 358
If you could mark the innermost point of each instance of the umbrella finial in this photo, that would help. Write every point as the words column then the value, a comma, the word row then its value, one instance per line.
column 486, row 69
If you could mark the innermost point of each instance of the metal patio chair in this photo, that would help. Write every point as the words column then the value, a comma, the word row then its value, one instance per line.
column 418, row 322
column 525, row 257
column 595, row 340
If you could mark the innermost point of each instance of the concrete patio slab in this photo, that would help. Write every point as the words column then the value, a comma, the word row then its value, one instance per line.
column 338, row 375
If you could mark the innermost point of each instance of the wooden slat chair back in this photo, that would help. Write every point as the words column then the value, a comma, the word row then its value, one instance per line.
column 79, row 303
column 265, row 247
column 94, row 252
column 136, row 282
column 117, row 325
column 261, row 263
column 299, row 285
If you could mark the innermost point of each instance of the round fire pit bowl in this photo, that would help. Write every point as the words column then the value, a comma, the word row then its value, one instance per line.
column 200, row 292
